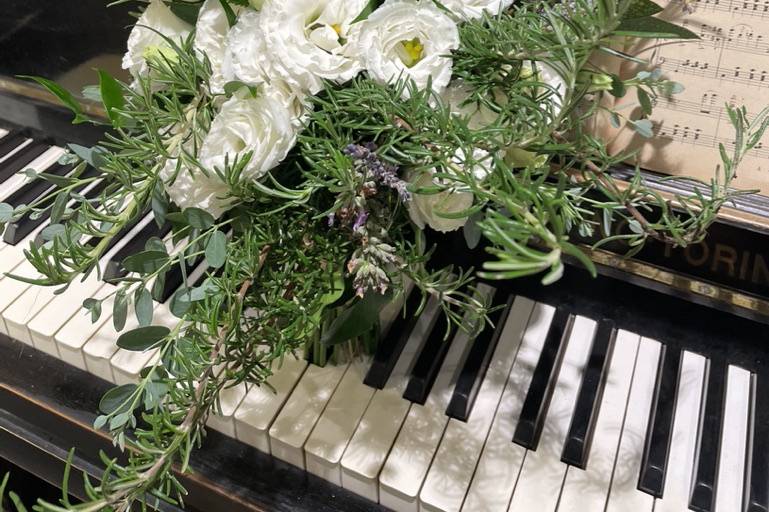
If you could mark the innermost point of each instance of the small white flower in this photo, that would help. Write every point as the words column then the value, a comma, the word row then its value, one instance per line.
column 210, row 38
column 146, row 37
column 408, row 39
column 300, row 41
column 456, row 197
column 469, row 9
column 263, row 126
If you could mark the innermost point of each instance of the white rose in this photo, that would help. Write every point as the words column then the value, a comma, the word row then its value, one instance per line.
column 146, row 38
column 456, row 197
column 408, row 39
column 300, row 41
column 469, row 9
column 210, row 38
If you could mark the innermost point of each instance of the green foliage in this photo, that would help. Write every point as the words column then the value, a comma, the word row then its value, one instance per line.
column 295, row 267
column 356, row 320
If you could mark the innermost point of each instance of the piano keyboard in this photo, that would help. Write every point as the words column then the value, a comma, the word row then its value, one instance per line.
column 548, row 411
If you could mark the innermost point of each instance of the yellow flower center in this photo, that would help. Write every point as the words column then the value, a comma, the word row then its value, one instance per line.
column 411, row 52
column 337, row 28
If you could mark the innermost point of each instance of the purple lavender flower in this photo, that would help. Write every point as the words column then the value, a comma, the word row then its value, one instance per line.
column 366, row 159
column 360, row 220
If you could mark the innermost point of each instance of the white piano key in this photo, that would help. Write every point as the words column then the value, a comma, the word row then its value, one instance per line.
column 127, row 365
column 542, row 473
column 73, row 336
column 588, row 489
column 296, row 420
column 229, row 400
column 683, row 445
column 624, row 495
column 262, row 404
column 42, row 162
column 19, row 314
column 44, row 326
column 452, row 468
column 11, row 289
column 501, row 460
column 409, row 460
column 328, row 440
column 101, row 347
column 376, row 432
column 731, row 464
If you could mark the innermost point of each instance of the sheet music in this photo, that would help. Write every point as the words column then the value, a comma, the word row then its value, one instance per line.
column 728, row 64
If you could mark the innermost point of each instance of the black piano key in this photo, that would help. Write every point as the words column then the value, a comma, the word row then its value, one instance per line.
column 474, row 370
column 703, row 496
column 37, row 187
column 125, row 230
column 19, row 160
column 174, row 279
column 19, row 229
column 757, row 466
column 11, row 141
column 391, row 345
column 91, row 194
column 588, row 404
column 658, row 433
column 430, row 359
column 114, row 268
column 532, row 417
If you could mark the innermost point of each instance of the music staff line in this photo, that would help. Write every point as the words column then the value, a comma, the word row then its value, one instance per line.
column 703, row 108
column 738, row 74
column 754, row 8
column 696, row 137
column 741, row 39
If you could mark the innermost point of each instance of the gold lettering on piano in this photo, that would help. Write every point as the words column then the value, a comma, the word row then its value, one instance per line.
column 721, row 258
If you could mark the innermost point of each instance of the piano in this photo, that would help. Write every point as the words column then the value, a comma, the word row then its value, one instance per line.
column 644, row 389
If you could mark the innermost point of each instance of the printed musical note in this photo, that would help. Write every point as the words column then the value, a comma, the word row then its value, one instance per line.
column 727, row 67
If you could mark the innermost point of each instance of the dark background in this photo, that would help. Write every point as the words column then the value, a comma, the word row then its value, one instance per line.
column 63, row 40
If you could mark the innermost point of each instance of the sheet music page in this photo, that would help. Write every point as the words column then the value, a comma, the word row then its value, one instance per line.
column 728, row 64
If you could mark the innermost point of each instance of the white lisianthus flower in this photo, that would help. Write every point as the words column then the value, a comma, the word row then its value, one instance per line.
column 431, row 209
column 455, row 97
column 192, row 188
column 469, row 9
column 146, row 39
column 300, row 41
column 246, row 57
column 210, row 38
column 263, row 126
column 408, row 39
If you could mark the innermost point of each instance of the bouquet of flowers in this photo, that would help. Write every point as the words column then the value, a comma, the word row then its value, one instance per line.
column 303, row 151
